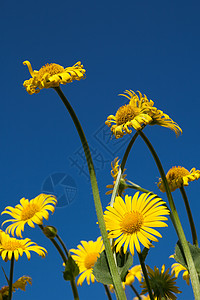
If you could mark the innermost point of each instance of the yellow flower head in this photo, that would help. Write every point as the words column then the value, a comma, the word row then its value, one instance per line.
column 162, row 283
column 177, row 268
column 52, row 75
column 29, row 212
column 177, row 177
column 12, row 246
column 114, row 173
column 138, row 112
column 130, row 222
column 86, row 256
column 134, row 272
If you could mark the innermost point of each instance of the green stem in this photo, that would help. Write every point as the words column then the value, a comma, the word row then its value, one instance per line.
column 189, row 213
column 11, row 277
column 176, row 222
column 72, row 281
column 63, row 245
column 137, row 187
column 107, row 292
column 136, row 292
column 144, row 270
column 99, row 211
column 128, row 149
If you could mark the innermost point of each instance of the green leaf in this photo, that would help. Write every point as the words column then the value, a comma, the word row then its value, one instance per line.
column 101, row 269
column 180, row 257
column 71, row 269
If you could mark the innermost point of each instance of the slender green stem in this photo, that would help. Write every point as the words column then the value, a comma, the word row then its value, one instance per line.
column 144, row 270
column 137, row 187
column 72, row 281
column 107, row 292
column 63, row 245
column 136, row 292
column 176, row 222
column 113, row 268
column 11, row 277
column 189, row 213
column 128, row 149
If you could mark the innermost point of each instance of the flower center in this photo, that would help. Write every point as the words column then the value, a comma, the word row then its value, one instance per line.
column 132, row 222
column 51, row 69
column 29, row 211
column 177, row 173
column 126, row 113
column 91, row 259
column 12, row 245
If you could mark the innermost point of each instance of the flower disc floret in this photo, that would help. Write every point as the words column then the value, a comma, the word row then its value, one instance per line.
column 12, row 246
column 86, row 256
column 137, row 113
column 177, row 177
column 131, row 221
column 52, row 75
column 29, row 212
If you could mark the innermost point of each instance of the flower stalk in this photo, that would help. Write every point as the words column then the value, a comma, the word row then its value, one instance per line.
column 189, row 213
column 72, row 282
column 99, row 211
column 146, row 278
column 11, row 277
column 176, row 221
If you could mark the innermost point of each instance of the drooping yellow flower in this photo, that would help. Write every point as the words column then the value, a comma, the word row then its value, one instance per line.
column 177, row 177
column 134, row 272
column 131, row 221
column 19, row 284
column 114, row 173
column 12, row 246
column 86, row 256
column 29, row 212
column 162, row 283
column 177, row 268
column 138, row 112
column 52, row 75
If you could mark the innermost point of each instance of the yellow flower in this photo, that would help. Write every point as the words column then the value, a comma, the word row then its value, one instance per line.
column 131, row 221
column 12, row 246
column 52, row 75
column 19, row 284
column 138, row 112
column 162, row 283
column 114, row 173
column 29, row 212
column 86, row 256
column 134, row 272
column 177, row 177
column 177, row 268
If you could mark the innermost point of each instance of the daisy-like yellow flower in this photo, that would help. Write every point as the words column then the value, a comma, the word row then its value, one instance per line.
column 177, row 177
column 12, row 246
column 130, row 222
column 86, row 256
column 29, row 212
column 52, row 75
column 134, row 272
column 177, row 268
column 114, row 173
column 162, row 283
column 138, row 112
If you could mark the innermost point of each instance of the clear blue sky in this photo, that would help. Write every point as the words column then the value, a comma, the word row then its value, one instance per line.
column 150, row 46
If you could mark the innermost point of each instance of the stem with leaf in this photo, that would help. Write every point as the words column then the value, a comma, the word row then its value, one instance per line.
column 11, row 277
column 99, row 211
column 176, row 221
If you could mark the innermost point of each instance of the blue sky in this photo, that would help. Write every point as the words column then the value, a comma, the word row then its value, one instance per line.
column 150, row 46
